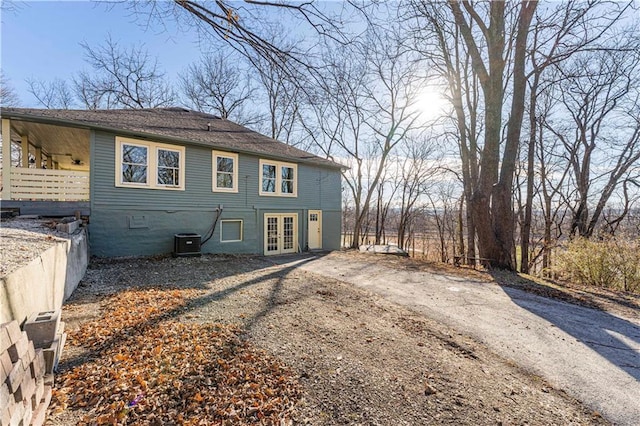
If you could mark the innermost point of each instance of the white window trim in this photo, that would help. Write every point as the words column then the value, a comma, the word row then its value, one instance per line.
column 279, row 165
column 152, row 164
column 214, row 178
column 241, row 230
column 119, row 163
column 168, row 148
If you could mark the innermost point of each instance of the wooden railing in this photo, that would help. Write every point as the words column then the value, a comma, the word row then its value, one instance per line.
column 44, row 184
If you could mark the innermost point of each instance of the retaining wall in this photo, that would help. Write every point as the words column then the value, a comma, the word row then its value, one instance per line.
column 47, row 281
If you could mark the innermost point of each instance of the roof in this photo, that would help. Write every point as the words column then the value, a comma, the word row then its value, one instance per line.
column 179, row 124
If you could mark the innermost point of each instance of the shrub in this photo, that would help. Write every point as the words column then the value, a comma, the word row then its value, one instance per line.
column 612, row 263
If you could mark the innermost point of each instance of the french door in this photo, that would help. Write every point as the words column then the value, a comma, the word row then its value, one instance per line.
column 280, row 233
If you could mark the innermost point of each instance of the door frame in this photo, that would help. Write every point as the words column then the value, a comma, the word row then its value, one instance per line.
column 279, row 230
column 319, row 213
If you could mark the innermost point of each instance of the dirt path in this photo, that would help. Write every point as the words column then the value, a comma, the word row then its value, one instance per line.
column 359, row 358
column 593, row 355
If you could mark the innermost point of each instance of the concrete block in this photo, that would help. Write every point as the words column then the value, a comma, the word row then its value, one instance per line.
column 5, row 396
column 28, row 415
column 5, row 416
column 24, row 392
column 5, row 341
column 63, row 339
column 38, row 364
column 41, row 327
column 12, row 332
column 5, row 366
column 69, row 227
column 46, row 398
column 17, row 413
column 36, row 370
column 50, row 357
column 15, row 377
column 39, row 415
column 28, row 356
column 20, row 347
column 53, row 353
column 38, row 393
column 45, row 282
column 48, row 381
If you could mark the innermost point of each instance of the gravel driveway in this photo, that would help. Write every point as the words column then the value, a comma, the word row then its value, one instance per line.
column 355, row 357
column 592, row 355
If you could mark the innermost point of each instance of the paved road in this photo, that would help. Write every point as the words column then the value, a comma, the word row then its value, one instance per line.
column 592, row 355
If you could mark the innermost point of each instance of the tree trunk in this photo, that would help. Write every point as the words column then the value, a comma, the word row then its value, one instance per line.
column 525, row 235
column 492, row 201
column 460, row 229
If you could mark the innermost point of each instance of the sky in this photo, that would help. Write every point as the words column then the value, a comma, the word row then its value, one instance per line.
column 41, row 40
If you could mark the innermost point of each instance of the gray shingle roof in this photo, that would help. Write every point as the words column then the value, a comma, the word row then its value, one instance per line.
column 172, row 123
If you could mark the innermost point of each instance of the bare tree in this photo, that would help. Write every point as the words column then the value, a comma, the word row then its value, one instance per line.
column 122, row 78
column 443, row 205
column 218, row 85
column 244, row 26
column 448, row 57
column 365, row 109
column 550, row 176
column 337, row 127
column 602, row 136
column 418, row 164
column 613, row 217
column 383, row 203
column 494, row 36
column 281, row 91
column 8, row 95
column 54, row 94
column 559, row 33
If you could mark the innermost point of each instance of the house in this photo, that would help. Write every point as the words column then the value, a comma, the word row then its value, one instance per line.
column 144, row 175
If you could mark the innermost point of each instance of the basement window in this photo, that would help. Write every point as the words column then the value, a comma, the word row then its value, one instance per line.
column 230, row 230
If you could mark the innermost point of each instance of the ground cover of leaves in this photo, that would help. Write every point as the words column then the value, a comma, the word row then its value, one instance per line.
column 155, row 370
column 239, row 340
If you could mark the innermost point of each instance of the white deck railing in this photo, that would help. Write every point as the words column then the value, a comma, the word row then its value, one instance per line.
column 51, row 185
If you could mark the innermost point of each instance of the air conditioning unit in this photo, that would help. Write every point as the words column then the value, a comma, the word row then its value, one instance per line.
column 187, row 244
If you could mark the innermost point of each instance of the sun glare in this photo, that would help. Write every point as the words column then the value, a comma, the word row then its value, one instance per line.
column 431, row 103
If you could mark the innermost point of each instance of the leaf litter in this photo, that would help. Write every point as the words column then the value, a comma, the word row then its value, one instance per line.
column 149, row 368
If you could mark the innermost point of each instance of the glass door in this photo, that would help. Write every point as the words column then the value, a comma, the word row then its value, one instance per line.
column 280, row 233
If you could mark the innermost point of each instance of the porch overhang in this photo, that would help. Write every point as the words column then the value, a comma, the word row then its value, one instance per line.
column 66, row 146
column 44, row 161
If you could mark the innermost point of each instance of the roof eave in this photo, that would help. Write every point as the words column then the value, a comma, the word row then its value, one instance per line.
column 154, row 136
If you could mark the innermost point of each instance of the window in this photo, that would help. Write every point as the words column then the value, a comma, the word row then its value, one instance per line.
column 150, row 165
column 168, row 167
column 279, row 179
column 225, row 172
column 230, row 231
column 134, row 163
column 269, row 178
column 287, row 180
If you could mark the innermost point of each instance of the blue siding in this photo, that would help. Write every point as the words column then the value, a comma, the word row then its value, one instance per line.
column 136, row 221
